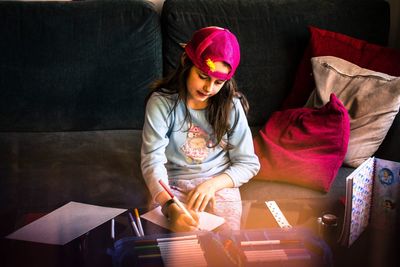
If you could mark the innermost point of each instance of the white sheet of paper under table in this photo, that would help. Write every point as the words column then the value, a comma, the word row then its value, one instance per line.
column 65, row 223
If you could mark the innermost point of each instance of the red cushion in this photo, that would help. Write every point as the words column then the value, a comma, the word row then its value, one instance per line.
column 327, row 43
column 304, row 146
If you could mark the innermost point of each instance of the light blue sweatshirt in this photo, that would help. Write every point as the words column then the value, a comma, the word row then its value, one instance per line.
column 172, row 149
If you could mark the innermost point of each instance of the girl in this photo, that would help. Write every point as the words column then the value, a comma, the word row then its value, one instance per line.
column 196, row 137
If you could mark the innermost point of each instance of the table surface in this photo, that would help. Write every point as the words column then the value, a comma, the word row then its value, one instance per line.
column 372, row 249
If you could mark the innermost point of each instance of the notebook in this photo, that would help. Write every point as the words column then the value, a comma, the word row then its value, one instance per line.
column 372, row 194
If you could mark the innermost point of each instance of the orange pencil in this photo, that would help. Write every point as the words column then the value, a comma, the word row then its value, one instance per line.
column 139, row 222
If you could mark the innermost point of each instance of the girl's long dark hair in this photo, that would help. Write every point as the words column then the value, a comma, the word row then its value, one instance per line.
column 219, row 106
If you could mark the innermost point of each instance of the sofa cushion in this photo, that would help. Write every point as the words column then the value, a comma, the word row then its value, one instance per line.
column 82, row 65
column 304, row 146
column 272, row 36
column 329, row 43
column 275, row 190
column 371, row 98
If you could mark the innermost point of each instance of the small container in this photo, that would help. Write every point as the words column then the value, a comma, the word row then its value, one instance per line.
column 328, row 227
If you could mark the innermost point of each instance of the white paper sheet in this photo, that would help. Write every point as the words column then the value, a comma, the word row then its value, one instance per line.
column 65, row 223
column 207, row 221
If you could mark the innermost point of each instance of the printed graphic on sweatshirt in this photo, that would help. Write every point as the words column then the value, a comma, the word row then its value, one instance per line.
column 197, row 146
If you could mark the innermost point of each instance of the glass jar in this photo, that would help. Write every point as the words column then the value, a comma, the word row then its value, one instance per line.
column 328, row 228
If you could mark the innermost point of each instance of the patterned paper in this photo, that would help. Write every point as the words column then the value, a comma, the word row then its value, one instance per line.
column 361, row 199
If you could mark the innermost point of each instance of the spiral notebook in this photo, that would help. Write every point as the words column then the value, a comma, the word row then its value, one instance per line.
column 372, row 191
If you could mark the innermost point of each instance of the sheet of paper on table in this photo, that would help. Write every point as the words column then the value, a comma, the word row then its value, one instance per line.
column 65, row 223
column 207, row 221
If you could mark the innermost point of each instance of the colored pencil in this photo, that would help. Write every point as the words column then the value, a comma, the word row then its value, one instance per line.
column 177, row 201
column 133, row 224
column 139, row 222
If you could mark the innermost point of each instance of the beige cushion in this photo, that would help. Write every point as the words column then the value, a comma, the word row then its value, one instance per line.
column 371, row 98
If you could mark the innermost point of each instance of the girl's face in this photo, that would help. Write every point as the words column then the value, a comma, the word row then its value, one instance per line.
column 201, row 86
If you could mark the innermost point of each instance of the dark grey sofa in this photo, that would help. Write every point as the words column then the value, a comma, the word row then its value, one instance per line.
column 74, row 75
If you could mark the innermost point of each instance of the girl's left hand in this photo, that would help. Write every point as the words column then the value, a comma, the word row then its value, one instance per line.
column 200, row 196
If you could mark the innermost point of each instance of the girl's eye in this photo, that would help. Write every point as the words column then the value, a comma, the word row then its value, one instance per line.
column 203, row 77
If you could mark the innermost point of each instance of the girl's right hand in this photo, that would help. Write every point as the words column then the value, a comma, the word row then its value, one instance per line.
column 180, row 222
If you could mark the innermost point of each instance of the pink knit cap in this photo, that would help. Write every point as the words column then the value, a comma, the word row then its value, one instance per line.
column 212, row 44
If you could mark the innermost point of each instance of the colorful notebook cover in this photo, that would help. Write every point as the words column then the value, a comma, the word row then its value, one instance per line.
column 372, row 191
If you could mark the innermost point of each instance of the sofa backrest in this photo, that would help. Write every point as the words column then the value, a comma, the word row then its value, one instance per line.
column 77, row 65
column 86, row 65
column 273, row 35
